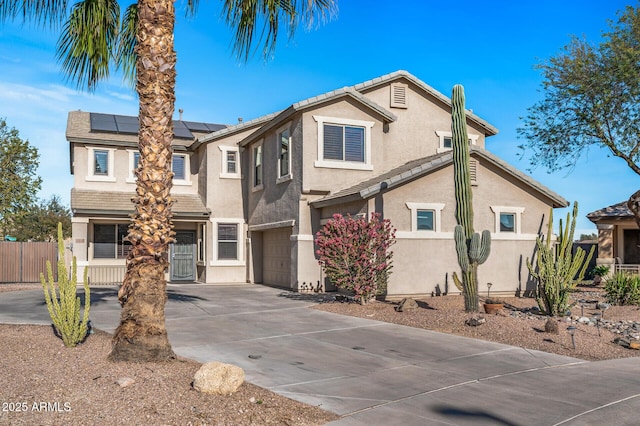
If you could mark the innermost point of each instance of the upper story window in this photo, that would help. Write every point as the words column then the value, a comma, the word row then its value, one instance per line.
column 100, row 164
column 257, row 159
column 230, row 166
column 344, row 143
column 284, row 154
column 446, row 140
column 425, row 220
column 508, row 219
column 179, row 166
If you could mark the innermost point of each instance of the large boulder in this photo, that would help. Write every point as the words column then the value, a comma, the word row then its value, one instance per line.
column 218, row 378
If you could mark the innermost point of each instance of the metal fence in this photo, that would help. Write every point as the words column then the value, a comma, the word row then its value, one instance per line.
column 23, row 262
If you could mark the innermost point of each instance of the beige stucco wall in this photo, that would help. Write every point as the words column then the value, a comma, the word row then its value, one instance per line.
column 413, row 134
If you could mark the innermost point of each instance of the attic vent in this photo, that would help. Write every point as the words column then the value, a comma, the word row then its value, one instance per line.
column 398, row 95
column 473, row 171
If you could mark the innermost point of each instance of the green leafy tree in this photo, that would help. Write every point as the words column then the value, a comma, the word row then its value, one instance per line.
column 96, row 38
column 40, row 222
column 18, row 174
column 591, row 98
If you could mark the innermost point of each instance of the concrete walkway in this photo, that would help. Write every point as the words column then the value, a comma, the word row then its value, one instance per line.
column 369, row 372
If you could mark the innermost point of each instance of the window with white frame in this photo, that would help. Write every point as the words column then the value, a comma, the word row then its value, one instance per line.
column 134, row 160
column 228, row 243
column 180, row 168
column 230, row 167
column 257, row 166
column 508, row 219
column 425, row 217
column 344, row 143
column 101, row 163
column 446, row 140
column 110, row 241
column 284, row 154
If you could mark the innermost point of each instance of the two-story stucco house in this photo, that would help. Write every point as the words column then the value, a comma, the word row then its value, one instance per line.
column 251, row 196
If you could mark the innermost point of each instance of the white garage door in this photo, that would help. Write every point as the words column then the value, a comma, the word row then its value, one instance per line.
column 276, row 257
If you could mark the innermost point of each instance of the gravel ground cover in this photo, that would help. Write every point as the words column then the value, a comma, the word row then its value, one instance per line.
column 42, row 382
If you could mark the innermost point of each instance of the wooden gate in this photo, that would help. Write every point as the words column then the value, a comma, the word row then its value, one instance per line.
column 23, row 262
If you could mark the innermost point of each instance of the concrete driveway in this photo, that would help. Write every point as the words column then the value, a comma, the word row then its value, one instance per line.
column 369, row 372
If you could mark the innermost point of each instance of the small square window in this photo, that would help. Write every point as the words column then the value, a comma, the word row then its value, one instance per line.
column 447, row 142
column 425, row 220
column 507, row 222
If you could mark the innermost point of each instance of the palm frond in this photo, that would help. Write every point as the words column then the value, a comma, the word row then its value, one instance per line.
column 88, row 42
column 244, row 16
column 41, row 12
column 125, row 55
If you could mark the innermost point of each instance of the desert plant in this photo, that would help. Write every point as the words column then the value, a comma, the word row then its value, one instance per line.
column 63, row 304
column 354, row 254
column 623, row 289
column 557, row 270
column 472, row 248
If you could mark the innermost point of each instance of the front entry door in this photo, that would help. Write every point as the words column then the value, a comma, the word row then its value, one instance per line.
column 632, row 246
column 183, row 259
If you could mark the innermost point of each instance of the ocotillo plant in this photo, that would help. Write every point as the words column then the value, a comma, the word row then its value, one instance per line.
column 472, row 249
column 557, row 269
column 63, row 305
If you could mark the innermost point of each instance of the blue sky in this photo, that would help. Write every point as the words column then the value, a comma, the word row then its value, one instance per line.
column 489, row 47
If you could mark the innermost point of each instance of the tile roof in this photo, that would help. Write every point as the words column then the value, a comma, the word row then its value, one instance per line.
column 615, row 211
column 85, row 201
column 420, row 167
column 384, row 79
column 317, row 100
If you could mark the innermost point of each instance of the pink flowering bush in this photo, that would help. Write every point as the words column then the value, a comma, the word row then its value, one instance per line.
column 355, row 254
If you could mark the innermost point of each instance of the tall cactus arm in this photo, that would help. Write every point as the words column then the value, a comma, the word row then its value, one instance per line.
column 459, row 142
column 461, row 248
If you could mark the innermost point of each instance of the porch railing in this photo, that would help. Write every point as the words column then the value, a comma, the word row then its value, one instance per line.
column 627, row 268
column 106, row 274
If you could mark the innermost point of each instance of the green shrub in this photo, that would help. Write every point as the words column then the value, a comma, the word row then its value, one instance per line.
column 623, row 289
column 63, row 305
column 600, row 270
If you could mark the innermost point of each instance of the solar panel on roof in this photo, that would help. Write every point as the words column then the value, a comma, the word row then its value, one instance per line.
column 127, row 124
column 198, row 127
column 181, row 131
column 214, row 127
column 102, row 122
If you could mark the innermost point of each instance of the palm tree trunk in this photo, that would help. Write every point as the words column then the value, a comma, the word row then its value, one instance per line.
column 141, row 335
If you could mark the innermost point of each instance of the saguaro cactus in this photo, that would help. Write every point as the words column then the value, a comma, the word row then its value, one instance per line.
column 472, row 248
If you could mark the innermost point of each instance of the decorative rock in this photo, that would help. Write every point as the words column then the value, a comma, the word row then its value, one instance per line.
column 622, row 342
column 123, row 382
column 218, row 378
column 584, row 320
column 406, row 304
column 475, row 321
column 634, row 345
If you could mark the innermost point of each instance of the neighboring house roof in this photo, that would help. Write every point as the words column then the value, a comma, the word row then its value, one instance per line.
column 386, row 79
column 421, row 167
column 345, row 92
column 85, row 201
column 616, row 211
column 124, row 124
